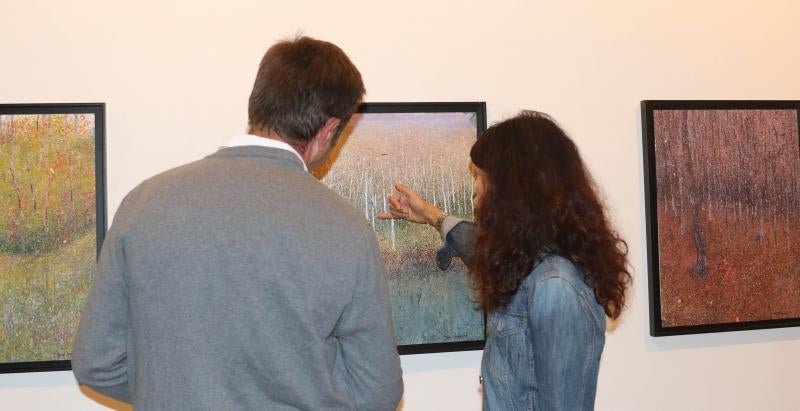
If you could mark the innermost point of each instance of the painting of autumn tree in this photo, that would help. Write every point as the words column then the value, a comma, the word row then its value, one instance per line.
column 727, row 211
column 426, row 147
column 48, row 229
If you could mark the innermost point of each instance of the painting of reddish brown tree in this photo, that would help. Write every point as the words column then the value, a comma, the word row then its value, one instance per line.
column 726, row 215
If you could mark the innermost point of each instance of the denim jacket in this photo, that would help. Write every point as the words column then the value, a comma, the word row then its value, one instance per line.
column 542, row 349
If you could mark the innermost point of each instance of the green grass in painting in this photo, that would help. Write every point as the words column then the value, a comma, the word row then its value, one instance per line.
column 426, row 300
column 41, row 298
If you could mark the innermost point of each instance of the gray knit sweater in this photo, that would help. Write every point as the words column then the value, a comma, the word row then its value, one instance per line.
column 239, row 282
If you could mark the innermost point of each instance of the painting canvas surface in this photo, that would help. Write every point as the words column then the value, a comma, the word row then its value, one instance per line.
column 47, row 232
column 429, row 152
column 728, row 212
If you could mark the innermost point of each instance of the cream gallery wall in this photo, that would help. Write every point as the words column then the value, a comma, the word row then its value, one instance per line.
column 175, row 77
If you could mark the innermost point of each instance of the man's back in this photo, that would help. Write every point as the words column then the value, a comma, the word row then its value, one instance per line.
column 246, row 284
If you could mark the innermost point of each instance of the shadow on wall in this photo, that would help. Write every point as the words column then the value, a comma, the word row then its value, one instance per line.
column 121, row 406
column 723, row 339
column 105, row 401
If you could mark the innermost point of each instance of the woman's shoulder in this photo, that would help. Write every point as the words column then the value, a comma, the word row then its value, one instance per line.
column 555, row 278
column 553, row 268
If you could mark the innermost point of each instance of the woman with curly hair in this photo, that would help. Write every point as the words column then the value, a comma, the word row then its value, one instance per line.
column 545, row 264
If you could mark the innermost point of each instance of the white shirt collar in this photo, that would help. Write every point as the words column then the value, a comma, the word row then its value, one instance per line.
column 252, row 140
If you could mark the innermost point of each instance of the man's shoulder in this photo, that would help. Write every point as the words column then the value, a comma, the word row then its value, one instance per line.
column 339, row 213
column 163, row 180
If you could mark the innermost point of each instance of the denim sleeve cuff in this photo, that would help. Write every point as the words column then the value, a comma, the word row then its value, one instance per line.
column 448, row 224
column 444, row 256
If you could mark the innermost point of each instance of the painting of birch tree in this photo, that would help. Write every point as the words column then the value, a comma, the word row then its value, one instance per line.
column 429, row 152
column 728, row 212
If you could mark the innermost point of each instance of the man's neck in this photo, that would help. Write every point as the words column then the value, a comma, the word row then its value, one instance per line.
column 275, row 136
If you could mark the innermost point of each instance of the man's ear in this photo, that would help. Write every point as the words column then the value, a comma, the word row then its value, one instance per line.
column 320, row 146
column 326, row 132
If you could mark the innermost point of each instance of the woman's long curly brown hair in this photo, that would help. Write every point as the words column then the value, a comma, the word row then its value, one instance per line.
column 539, row 194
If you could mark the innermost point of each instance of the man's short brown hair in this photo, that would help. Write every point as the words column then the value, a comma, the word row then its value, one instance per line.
column 302, row 83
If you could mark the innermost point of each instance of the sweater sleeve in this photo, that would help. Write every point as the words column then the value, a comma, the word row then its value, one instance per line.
column 99, row 357
column 367, row 339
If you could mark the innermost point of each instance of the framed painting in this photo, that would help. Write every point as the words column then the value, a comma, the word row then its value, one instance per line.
column 52, row 201
column 425, row 145
column 722, row 191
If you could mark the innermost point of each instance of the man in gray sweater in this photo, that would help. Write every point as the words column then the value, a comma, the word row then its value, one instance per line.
column 239, row 281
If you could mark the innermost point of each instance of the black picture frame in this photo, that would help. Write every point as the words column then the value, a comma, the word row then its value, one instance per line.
column 476, row 111
column 97, row 110
column 715, row 208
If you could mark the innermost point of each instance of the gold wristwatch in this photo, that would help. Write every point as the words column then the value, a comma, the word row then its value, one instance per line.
column 438, row 223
